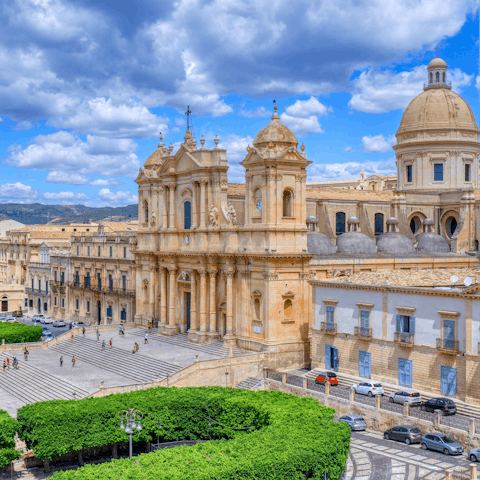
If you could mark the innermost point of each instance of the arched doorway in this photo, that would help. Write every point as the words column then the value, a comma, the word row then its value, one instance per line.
column 416, row 225
column 5, row 304
column 99, row 309
column 450, row 226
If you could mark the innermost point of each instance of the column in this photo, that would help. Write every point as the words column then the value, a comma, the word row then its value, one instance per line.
column 171, row 299
column 202, row 204
column 194, row 206
column 163, row 296
column 212, row 272
column 165, row 209
column 193, row 301
column 172, row 207
column 203, row 300
column 229, row 274
column 153, row 290
column 159, row 206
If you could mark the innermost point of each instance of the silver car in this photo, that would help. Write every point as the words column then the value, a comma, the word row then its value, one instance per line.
column 356, row 422
column 404, row 396
column 368, row 388
column 58, row 323
column 441, row 443
column 474, row 454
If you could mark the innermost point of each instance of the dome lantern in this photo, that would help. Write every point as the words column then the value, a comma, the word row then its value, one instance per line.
column 437, row 75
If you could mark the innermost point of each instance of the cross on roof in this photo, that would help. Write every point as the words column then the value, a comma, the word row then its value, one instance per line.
column 436, row 48
column 188, row 113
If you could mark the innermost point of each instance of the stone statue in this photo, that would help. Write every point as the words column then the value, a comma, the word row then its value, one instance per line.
column 153, row 220
column 213, row 215
column 232, row 215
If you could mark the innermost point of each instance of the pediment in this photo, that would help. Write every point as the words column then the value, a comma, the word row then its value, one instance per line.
column 182, row 161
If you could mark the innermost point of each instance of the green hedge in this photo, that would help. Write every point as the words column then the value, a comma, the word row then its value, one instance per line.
column 19, row 332
column 8, row 428
column 291, row 437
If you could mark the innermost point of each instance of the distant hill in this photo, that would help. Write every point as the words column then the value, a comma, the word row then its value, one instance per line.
column 36, row 213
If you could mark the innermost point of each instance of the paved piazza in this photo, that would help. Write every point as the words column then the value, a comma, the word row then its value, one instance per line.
column 374, row 458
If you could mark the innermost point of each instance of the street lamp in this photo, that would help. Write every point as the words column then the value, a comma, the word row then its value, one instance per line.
column 130, row 425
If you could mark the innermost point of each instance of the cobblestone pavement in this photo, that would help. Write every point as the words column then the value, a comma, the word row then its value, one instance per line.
column 374, row 458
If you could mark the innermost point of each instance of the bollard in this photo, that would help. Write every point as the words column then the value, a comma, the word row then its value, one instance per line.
column 196, row 358
column 378, row 402
column 115, row 452
column 473, row 471
column 305, row 383
column 437, row 420
column 352, row 395
column 265, row 374
column 328, row 387
column 448, row 474
column 472, row 427
column 284, row 378
column 406, row 409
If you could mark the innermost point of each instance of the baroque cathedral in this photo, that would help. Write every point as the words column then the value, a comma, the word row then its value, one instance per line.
column 218, row 260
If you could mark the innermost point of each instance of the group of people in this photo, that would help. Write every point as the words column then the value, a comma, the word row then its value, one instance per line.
column 6, row 363
column 73, row 361
column 103, row 343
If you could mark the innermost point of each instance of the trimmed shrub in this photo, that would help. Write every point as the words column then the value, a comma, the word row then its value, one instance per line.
column 8, row 428
column 19, row 332
column 290, row 437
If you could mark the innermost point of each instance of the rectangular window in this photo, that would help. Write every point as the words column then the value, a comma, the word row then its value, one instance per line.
column 98, row 251
column 111, row 252
column 87, row 280
column 33, row 284
column 88, row 251
column 46, row 286
column 124, row 252
column 40, row 285
column 77, row 278
column 124, row 282
column 45, row 306
column 55, row 276
column 467, row 172
column 26, row 303
column 76, row 303
column 62, row 278
column 63, row 303
column 409, row 174
column 438, row 172
column 449, row 334
column 77, row 249
column 365, row 322
column 330, row 314
column 99, row 280
column 55, row 300
column 110, row 281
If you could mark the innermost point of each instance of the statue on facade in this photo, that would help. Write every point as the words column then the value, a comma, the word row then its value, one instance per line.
column 153, row 220
column 232, row 215
column 213, row 216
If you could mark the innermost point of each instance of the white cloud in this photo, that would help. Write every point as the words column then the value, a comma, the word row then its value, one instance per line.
column 302, row 126
column 378, row 91
column 65, row 198
column 341, row 171
column 71, row 178
column 108, row 197
column 378, row 143
column 307, row 108
column 105, row 182
column 236, row 147
column 258, row 112
column 64, row 152
column 302, row 116
column 348, row 149
column 17, row 193
column 23, row 125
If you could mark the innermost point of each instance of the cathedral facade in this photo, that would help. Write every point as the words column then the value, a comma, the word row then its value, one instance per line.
column 233, row 261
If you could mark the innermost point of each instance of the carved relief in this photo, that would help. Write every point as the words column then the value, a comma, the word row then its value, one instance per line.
column 232, row 215
column 270, row 275
column 213, row 216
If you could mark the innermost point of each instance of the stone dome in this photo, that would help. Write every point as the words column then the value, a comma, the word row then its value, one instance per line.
column 320, row 244
column 437, row 108
column 432, row 242
column 155, row 159
column 275, row 133
column 437, row 63
column 394, row 242
column 355, row 242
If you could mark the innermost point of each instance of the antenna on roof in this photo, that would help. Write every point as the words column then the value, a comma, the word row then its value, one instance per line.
column 454, row 278
column 467, row 282
column 188, row 113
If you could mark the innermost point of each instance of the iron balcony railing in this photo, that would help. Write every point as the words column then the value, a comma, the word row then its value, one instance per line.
column 328, row 327
column 446, row 345
column 405, row 338
column 37, row 291
column 437, row 84
column 363, row 332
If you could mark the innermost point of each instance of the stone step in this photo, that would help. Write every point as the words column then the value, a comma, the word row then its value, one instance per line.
column 250, row 383
column 30, row 384
column 122, row 362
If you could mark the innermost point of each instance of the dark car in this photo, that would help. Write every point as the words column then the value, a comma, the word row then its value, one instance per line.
column 445, row 405
column 329, row 377
column 404, row 433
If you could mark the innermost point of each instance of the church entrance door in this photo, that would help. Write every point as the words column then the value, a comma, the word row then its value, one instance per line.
column 187, row 309
column 99, row 308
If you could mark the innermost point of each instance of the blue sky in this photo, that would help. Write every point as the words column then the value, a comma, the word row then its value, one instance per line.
column 85, row 86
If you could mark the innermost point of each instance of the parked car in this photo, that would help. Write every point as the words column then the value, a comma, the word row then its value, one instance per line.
column 37, row 318
column 355, row 422
column 47, row 319
column 329, row 377
column 3, row 318
column 47, row 336
column 17, row 313
column 58, row 323
column 368, row 388
column 404, row 433
column 78, row 324
column 403, row 397
column 474, row 454
column 445, row 405
column 45, row 330
column 11, row 320
column 441, row 443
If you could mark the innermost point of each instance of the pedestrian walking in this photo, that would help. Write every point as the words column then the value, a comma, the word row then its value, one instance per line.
column 25, row 355
column 83, row 331
column 61, row 361
column 98, row 335
column 4, row 365
column 146, row 338
column 110, row 343
column 123, row 331
column 119, row 329
column 8, row 363
column 73, row 361
column 72, row 337
column 103, row 344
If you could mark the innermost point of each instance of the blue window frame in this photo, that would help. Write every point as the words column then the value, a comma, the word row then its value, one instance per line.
column 330, row 314
column 331, row 358
column 88, row 305
column 46, row 286
column 379, row 223
column 449, row 334
column 109, row 311
column 187, row 214
column 123, row 314
column 438, row 172
column 39, row 285
column 26, row 302
column 448, row 377
column 339, row 223
column 405, row 372
column 365, row 322
column 409, row 174
column 364, row 364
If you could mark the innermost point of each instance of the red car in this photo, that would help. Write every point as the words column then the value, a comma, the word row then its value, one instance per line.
column 329, row 377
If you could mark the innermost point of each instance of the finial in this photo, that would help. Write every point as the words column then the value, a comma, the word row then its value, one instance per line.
column 202, row 142
column 216, row 140
column 160, row 145
column 170, row 148
column 302, row 148
column 248, row 147
column 436, row 48
column 275, row 108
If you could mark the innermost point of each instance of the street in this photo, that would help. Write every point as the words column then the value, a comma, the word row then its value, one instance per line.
column 54, row 330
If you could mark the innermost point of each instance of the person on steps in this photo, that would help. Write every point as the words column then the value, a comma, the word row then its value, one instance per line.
column 98, row 335
column 61, row 361
column 103, row 344
column 83, row 331
column 146, row 338
column 110, row 343
column 73, row 361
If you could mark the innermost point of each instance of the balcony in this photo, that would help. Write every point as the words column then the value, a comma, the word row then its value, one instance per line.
column 328, row 328
column 447, row 346
column 404, row 339
column 37, row 291
column 101, row 288
column 363, row 333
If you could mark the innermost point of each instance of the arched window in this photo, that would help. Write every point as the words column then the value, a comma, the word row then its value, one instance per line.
column 187, row 215
column 431, row 77
column 443, row 77
column 415, row 225
column 378, row 223
column 109, row 311
column 450, row 226
column 437, row 77
column 340, row 223
column 256, row 308
column 287, row 203
column 145, row 211
column 287, row 308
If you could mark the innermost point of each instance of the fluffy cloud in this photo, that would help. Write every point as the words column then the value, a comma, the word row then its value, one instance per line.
column 236, row 147
column 67, row 178
column 302, row 116
column 64, row 152
column 340, row 171
column 17, row 193
column 24, row 125
column 108, row 197
column 258, row 112
column 65, row 198
column 378, row 143
column 383, row 91
column 302, row 126
column 105, row 182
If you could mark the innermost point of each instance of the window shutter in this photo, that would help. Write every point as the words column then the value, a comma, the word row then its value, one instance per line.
column 412, row 325
column 399, row 323
column 328, row 358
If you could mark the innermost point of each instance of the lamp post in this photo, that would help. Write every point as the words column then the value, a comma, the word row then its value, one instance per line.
column 131, row 415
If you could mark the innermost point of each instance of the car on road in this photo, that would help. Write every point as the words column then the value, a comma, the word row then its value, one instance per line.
column 404, row 433
column 355, row 422
column 445, row 405
column 78, row 324
column 47, row 319
column 474, row 454
column 17, row 313
column 11, row 320
column 47, row 336
column 58, row 323
column 37, row 318
column 329, row 377
column 405, row 396
column 441, row 443
column 3, row 318
column 368, row 388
